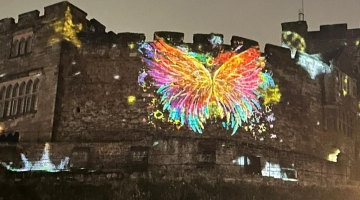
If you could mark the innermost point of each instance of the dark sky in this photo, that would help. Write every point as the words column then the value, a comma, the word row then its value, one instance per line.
column 255, row 19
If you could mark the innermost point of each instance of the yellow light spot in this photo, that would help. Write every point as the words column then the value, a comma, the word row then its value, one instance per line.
column 2, row 127
column 131, row 45
column 67, row 30
column 344, row 93
column 333, row 156
column 131, row 100
column 158, row 114
column 346, row 79
column 210, row 62
column 153, row 101
column 272, row 95
column 357, row 42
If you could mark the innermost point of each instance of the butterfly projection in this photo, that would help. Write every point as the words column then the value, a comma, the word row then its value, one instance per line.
column 194, row 88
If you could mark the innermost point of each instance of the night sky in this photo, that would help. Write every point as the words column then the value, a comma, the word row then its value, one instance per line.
column 255, row 19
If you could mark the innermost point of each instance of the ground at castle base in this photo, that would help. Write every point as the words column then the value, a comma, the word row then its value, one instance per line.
column 142, row 189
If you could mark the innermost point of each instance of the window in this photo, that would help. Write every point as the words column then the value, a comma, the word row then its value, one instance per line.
column 2, row 101
column 28, row 45
column 22, row 42
column 7, row 106
column 19, row 99
column 34, row 97
column 22, row 45
column 139, row 156
column 347, row 85
column 28, row 96
column 346, row 123
column 14, row 48
column 206, row 154
column 14, row 101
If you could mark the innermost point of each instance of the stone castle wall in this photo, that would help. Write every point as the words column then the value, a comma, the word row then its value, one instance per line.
column 83, row 109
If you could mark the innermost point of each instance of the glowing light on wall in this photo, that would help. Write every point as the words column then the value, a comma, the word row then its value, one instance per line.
column 131, row 100
column 242, row 160
column 333, row 156
column 131, row 45
column 344, row 91
column 44, row 164
column 261, row 123
column 2, row 127
column 215, row 40
column 275, row 170
column 67, row 30
column 313, row 64
column 294, row 42
column 194, row 87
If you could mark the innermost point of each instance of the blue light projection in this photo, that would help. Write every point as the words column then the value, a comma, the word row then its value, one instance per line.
column 313, row 63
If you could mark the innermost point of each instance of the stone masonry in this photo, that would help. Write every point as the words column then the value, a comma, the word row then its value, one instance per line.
column 77, row 83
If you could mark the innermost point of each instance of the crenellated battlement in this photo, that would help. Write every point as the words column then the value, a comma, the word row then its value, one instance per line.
column 330, row 31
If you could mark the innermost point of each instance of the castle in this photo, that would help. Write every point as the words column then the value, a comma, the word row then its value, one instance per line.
column 67, row 83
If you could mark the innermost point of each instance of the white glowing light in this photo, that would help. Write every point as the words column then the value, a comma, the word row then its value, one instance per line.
column 274, row 170
column 155, row 143
column 272, row 136
column 313, row 64
column 241, row 161
column 318, row 123
column 44, row 164
column 333, row 156
column 73, row 62
column 77, row 73
column 292, row 50
column 2, row 75
column 117, row 77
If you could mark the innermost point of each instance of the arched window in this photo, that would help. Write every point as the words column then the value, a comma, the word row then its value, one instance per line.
column 7, row 107
column 28, row 92
column 14, row 99
column 22, row 46
column 2, row 101
column 15, row 48
column 28, row 44
column 34, row 100
column 21, row 99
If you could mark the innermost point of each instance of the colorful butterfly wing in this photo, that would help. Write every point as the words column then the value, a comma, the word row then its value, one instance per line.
column 183, row 82
column 235, row 87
